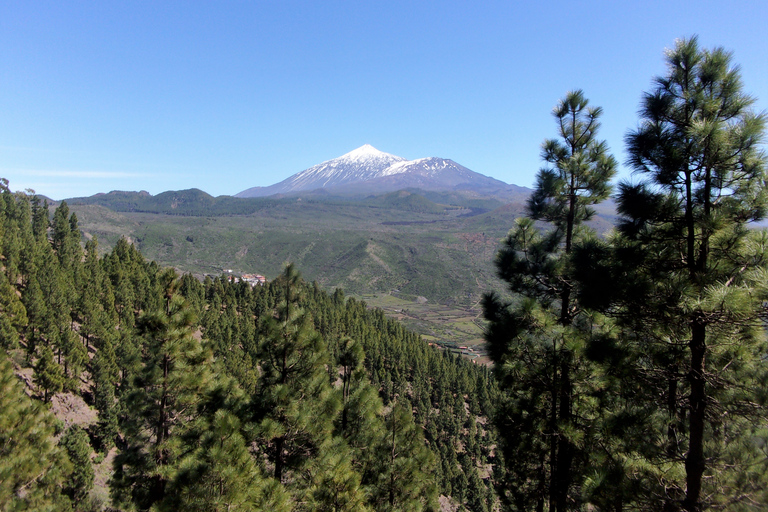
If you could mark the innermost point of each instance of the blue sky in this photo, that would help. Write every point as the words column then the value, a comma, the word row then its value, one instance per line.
column 223, row 96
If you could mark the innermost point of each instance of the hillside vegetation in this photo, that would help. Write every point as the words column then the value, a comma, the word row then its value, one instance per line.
column 406, row 244
column 399, row 244
column 218, row 395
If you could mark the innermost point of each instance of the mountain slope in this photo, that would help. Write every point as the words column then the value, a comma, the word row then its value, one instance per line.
column 433, row 174
column 362, row 164
column 367, row 170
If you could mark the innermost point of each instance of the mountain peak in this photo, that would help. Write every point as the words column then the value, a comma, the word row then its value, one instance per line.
column 361, row 164
column 366, row 152
column 368, row 168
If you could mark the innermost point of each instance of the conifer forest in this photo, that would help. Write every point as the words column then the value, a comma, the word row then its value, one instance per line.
column 629, row 371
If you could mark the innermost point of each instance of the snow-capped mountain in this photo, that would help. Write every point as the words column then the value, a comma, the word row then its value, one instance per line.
column 434, row 174
column 366, row 170
column 360, row 165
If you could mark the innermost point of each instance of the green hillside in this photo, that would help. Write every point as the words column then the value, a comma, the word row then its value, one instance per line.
column 129, row 387
column 400, row 242
column 409, row 246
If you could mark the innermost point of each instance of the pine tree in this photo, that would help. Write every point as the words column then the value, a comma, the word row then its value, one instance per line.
column 536, row 342
column 350, row 359
column 219, row 471
column 364, row 426
column 406, row 467
column 37, row 312
column 40, row 219
column 335, row 485
column 80, row 481
column 166, row 393
column 23, row 255
column 55, row 286
column 92, row 293
column 75, row 358
column 48, row 376
column 32, row 468
column 361, row 425
column 66, row 236
column 685, row 279
column 13, row 314
column 105, row 373
column 11, row 240
column 296, row 405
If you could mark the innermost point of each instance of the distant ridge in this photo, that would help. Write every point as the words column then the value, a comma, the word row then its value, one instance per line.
column 366, row 170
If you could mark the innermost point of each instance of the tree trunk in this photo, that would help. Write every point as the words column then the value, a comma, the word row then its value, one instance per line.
column 694, row 461
column 392, row 462
column 279, row 444
column 542, row 484
column 565, row 449
column 672, row 409
column 553, row 473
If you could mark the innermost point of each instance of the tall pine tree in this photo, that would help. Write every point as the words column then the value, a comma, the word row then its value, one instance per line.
column 32, row 468
column 536, row 342
column 295, row 406
column 685, row 278
column 166, row 393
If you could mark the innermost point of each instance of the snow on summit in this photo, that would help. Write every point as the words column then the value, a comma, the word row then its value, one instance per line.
column 366, row 152
column 361, row 164
column 367, row 165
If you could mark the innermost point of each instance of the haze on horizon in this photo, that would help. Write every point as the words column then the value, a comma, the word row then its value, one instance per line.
column 138, row 95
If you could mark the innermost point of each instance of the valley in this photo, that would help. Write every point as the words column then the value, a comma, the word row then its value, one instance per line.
column 422, row 261
column 387, row 256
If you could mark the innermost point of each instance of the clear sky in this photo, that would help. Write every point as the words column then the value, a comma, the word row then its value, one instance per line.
column 223, row 96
